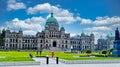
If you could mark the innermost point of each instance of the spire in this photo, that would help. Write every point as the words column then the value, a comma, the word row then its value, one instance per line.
column 82, row 33
column 8, row 29
column 51, row 14
column 20, row 30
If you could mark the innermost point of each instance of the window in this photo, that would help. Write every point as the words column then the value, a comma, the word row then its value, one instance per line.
column 10, row 40
column 41, row 41
column 66, row 41
column 65, row 46
column 46, row 41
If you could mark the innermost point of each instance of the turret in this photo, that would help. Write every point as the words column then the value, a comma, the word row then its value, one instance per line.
column 92, row 34
column 62, row 28
column 52, row 23
column 8, row 30
column 82, row 34
column 117, row 34
column 20, row 30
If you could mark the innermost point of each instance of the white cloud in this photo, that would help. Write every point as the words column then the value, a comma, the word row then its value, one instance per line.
column 40, row 8
column 106, row 21
column 103, row 25
column 98, row 35
column 102, row 28
column 86, row 21
column 62, row 15
column 66, row 19
column 29, row 32
column 73, row 34
column 13, row 5
column 32, row 25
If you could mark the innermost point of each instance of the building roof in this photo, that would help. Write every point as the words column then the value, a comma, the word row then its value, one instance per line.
column 51, row 19
column 101, row 37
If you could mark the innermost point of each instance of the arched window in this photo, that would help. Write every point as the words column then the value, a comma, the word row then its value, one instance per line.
column 65, row 46
column 66, row 41
column 40, row 41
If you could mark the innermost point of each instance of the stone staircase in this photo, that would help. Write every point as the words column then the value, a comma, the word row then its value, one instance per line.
column 54, row 49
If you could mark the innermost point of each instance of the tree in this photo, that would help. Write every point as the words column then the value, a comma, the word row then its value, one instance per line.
column 104, row 52
column 1, row 40
column 88, row 52
column 111, row 50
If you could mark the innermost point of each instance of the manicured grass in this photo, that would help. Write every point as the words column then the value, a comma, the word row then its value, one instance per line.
column 13, row 56
column 70, row 56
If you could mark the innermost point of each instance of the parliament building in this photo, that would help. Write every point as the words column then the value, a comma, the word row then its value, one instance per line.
column 52, row 38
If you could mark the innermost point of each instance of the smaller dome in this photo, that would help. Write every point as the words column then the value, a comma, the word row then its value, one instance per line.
column 92, row 34
column 43, row 30
column 82, row 34
column 62, row 28
column 20, row 30
column 101, row 37
column 46, row 25
column 51, row 19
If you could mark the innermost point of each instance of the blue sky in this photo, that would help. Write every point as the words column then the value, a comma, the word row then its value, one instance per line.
column 100, row 17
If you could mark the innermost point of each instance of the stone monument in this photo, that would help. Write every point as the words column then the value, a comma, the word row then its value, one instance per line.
column 116, row 51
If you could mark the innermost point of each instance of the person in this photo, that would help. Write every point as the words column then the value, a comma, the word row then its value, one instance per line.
column 52, row 54
column 30, row 55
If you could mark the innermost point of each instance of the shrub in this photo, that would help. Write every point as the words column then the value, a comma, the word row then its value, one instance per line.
column 111, row 50
column 104, row 52
column 88, row 51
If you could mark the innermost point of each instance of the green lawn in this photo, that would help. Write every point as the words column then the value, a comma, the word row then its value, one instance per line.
column 11, row 56
column 15, row 56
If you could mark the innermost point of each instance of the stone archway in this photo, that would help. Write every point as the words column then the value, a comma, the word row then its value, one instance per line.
column 46, row 46
column 54, row 44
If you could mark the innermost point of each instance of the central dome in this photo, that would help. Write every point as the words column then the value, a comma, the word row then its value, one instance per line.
column 51, row 19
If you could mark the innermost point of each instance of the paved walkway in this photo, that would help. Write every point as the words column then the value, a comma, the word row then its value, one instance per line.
column 73, row 65
column 43, row 61
column 52, row 63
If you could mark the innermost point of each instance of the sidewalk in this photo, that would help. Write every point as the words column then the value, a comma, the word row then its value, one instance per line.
column 43, row 60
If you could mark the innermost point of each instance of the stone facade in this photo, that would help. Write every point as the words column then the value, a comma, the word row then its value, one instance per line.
column 51, row 38
column 105, row 43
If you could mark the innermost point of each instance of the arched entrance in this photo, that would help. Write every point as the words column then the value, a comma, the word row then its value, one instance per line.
column 46, row 46
column 54, row 43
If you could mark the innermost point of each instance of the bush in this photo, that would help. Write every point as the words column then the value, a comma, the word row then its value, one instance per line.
column 111, row 50
column 104, row 52
column 88, row 51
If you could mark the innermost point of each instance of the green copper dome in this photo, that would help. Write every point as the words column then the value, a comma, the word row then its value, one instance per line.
column 51, row 19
